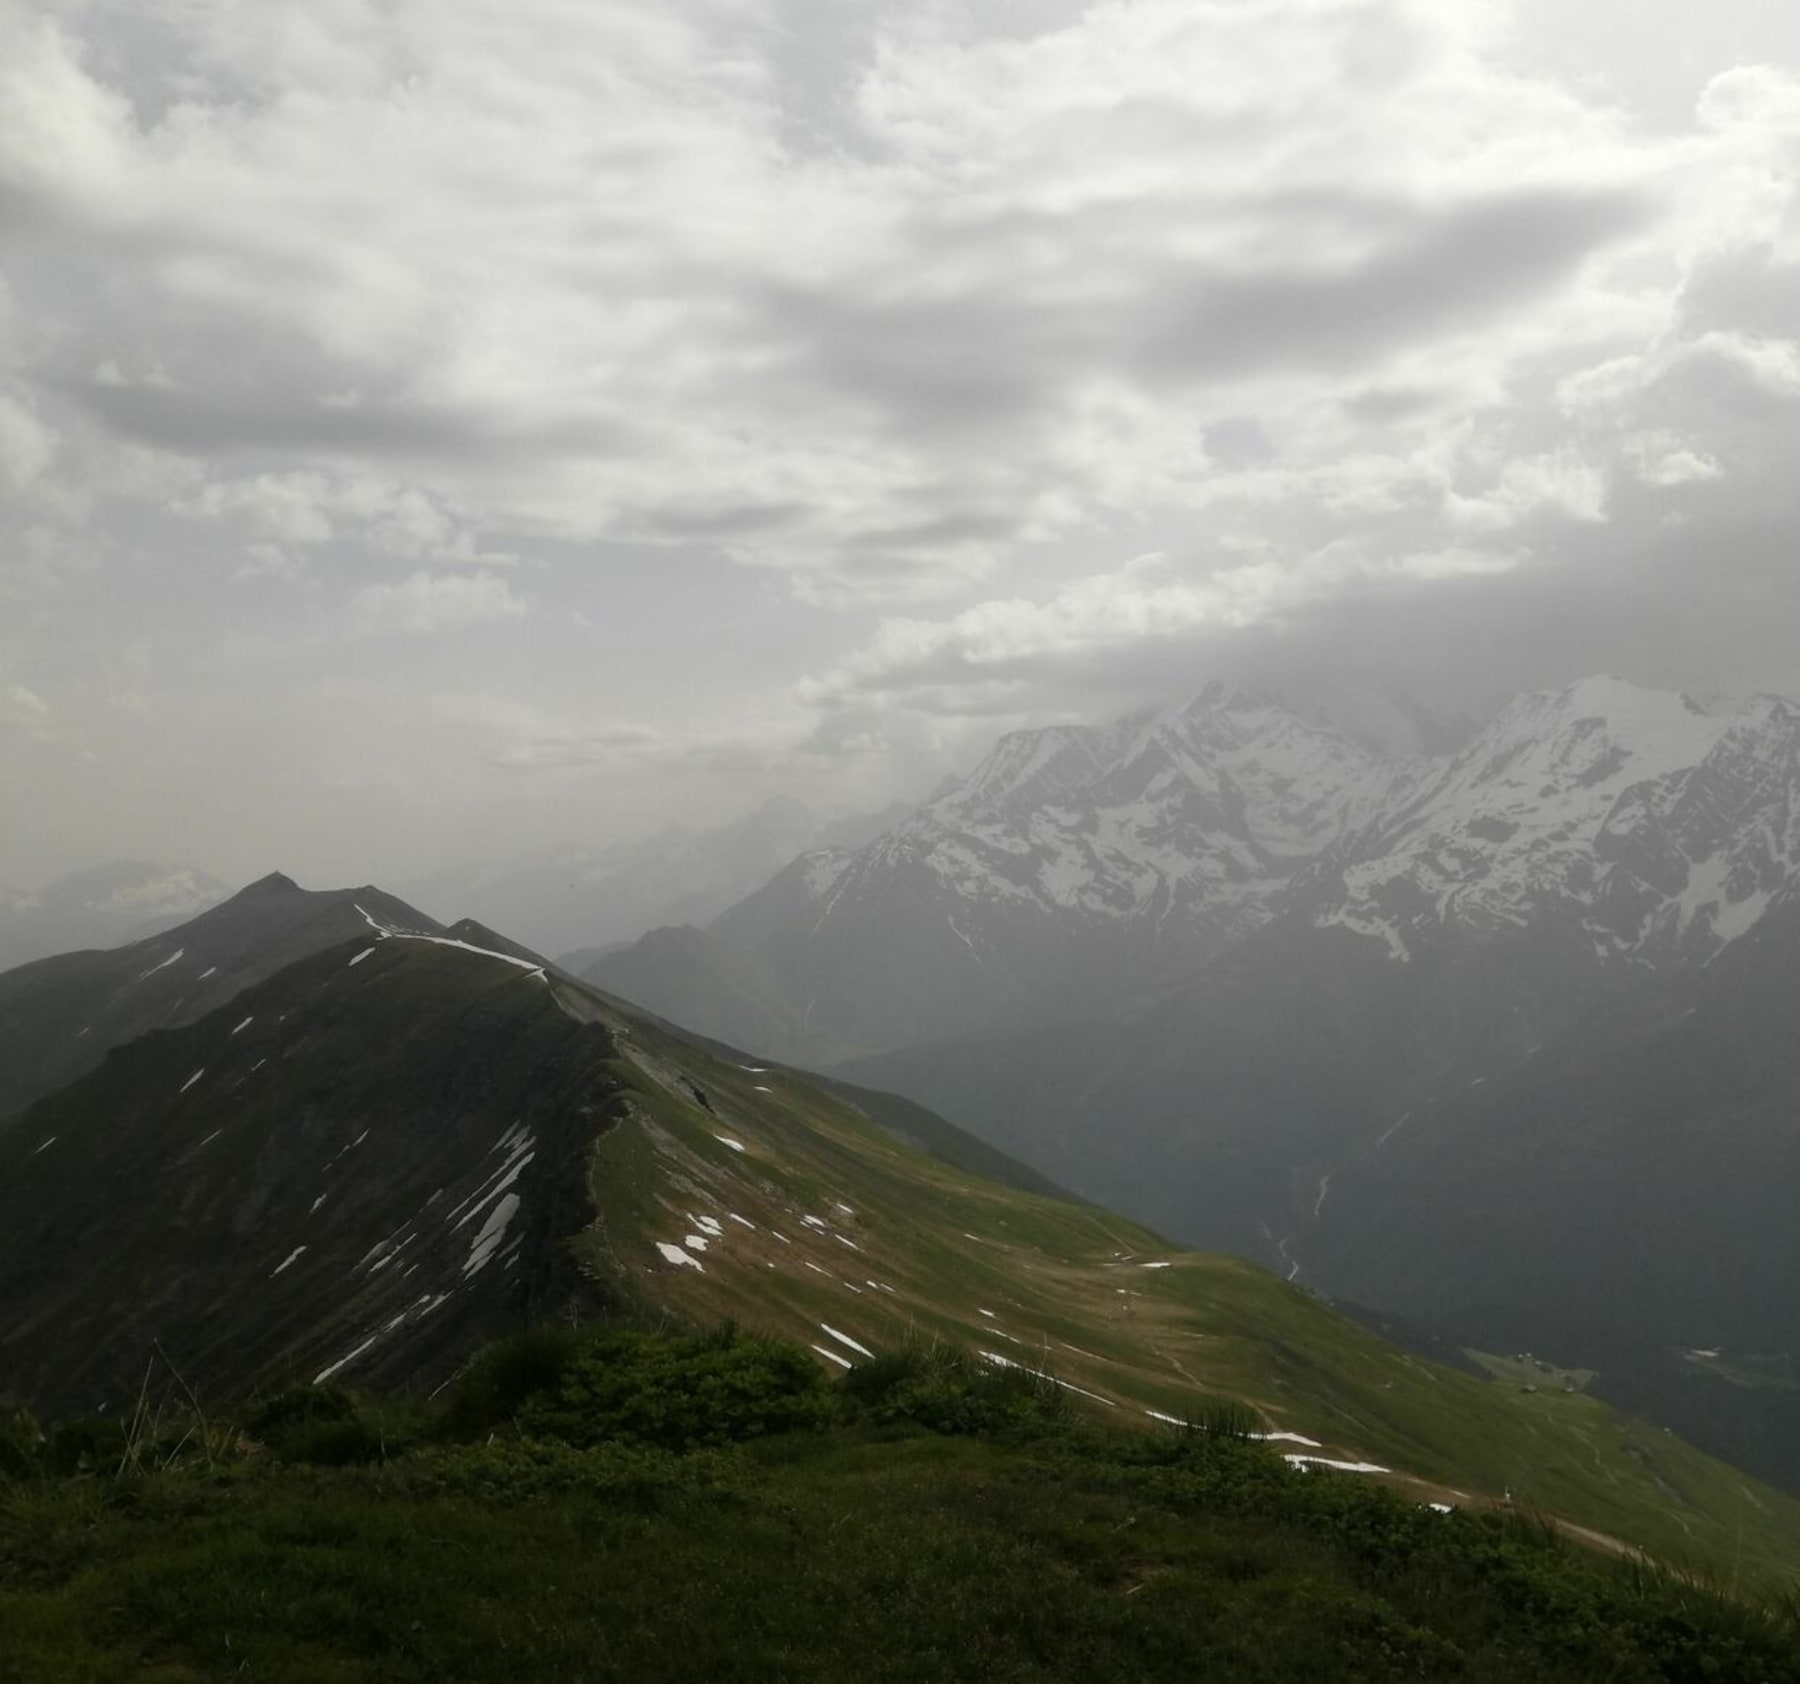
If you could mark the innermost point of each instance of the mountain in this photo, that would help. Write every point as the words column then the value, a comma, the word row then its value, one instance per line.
column 1087, row 871
column 575, row 897
column 60, row 1016
column 1510, row 1053
column 396, row 1146
column 1075, row 867
column 102, row 906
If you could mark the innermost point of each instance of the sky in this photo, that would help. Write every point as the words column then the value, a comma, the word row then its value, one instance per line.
column 431, row 431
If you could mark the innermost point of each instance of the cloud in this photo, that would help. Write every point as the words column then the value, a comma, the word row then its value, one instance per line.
column 1006, row 655
column 424, row 604
column 875, row 323
column 809, row 379
column 22, row 708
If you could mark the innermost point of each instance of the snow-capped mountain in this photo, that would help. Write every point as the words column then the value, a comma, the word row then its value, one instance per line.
column 1083, row 869
column 1074, row 866
column 1665, row 827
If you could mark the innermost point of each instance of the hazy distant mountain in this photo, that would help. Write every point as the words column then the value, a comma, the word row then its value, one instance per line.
column 574, row 897
column 1073, row 868
column 102, row 906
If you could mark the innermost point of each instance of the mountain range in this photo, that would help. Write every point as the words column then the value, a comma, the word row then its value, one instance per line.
column 1493, row 1036
column 394, row 1140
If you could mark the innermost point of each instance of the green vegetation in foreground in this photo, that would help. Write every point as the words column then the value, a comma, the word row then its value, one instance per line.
column 616, row 1505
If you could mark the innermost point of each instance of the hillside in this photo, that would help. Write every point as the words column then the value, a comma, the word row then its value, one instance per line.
column 413, row 1143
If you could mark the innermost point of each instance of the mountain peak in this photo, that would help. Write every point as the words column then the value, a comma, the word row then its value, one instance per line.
column 1613, row 698
column 276, row 883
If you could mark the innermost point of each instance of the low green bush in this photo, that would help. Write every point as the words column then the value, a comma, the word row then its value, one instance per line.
column 943, row 1388
column 678, row 1393
column 504, row 1375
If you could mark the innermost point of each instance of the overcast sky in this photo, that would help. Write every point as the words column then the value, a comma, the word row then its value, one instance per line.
column 436, row 428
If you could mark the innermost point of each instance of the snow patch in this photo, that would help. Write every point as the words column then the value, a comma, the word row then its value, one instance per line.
column 674, row 1254
column 191, row 1080
column 735, row 1145
column 1341, row 1467
column 244, row 1025
column 164, row 965
column 832, row 1356
column 846, row 1341
column 358, row 959
column 343, row 1362
column 493, row 1231
column 292, row 1257
column 1068, row 1386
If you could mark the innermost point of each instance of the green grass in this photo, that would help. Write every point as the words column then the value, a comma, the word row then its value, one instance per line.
column 937, row 1520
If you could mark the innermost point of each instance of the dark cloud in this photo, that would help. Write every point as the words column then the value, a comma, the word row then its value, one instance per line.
column 265, row 418
column 1451, row 271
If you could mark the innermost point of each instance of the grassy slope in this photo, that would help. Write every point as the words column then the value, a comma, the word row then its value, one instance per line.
column 929, row 1249
column 881, row 1555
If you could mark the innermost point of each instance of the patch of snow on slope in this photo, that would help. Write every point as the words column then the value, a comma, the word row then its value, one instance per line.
column 1341, row 1467
column 244, row 1025
column 361, row 956
column 344, row 1362
column 832, row 1356
column 520, row 1145
column 292, row 1257
column 674, row 1254
column 845, row 1340
column 999, row 1361
column 164, row 965
column 735, row 1145
column 493, row 1231
column 191, row 1080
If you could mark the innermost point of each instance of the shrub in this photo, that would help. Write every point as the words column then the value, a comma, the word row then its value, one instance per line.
column 492, row 1389
column 320, row 1425
column 943, row 1388
column 643, row 1388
